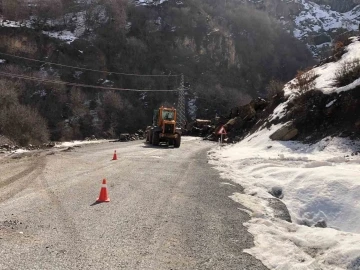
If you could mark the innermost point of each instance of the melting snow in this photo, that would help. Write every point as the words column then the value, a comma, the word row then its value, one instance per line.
column 320, row 182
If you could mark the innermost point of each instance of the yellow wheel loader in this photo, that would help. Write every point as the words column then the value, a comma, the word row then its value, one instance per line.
column 164, row 128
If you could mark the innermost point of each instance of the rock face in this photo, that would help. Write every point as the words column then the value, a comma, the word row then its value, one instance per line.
column 285, row 133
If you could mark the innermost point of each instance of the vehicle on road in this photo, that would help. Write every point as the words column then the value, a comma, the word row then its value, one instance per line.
column 163, row 128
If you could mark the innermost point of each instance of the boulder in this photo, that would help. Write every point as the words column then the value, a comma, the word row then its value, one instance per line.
column 285, row 133
column 321, row 224
column 124, row 137
column 277, row 192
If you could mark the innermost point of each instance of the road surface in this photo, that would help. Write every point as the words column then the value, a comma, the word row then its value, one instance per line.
column 169, row 210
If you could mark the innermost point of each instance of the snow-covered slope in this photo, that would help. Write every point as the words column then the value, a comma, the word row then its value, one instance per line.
column 325, row 80
column 316, row 18
column 314, row 24
column 320, row 185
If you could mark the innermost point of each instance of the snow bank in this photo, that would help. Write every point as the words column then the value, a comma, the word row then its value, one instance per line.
column 281, row 245
column 320, row 183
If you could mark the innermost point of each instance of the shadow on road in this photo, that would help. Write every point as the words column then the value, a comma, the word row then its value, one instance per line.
column 95, row 203
column 161, row 146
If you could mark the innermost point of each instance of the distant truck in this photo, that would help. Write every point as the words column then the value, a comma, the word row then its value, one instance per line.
column 163, row 128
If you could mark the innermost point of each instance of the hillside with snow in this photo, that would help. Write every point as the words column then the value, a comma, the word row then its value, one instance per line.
column 317, row 23
column 319, row 182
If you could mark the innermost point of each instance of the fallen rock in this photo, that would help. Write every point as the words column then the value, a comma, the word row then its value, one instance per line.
column 124, row 137
column 285, row 133
column 50, row 144
column 321, row 224
column 279, row 209
column 277, row 192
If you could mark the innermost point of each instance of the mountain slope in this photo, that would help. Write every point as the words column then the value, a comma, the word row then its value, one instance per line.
column 219, row 48
column 317, row 22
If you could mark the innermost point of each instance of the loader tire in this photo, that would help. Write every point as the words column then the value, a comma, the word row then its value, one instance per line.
column 177, row 141
column 150, row 137
column 155, row 138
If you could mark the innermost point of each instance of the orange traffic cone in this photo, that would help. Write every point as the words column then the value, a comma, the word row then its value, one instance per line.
column 115, row 156
column 103, row 197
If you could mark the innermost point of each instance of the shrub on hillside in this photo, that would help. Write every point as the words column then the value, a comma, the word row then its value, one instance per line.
column 14, row 10
column 8, row 94
column 304, row 81
column 23, row 124
column 343, row 38
column 347, row 73
column 274, row 87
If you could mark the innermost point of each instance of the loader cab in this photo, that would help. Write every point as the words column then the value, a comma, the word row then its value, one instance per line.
column 163, row 115
column 168, row 115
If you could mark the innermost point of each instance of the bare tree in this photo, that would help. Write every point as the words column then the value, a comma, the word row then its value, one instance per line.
column 46, row 10
column 15, row 10
column 305, row 81
column 274, row 87
column 117, row 11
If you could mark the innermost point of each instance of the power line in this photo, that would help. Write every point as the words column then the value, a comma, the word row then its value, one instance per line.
column 87, row 69
column 24, row 77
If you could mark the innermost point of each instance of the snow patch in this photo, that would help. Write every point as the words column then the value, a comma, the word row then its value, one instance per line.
column 330, row 103
column 150, row 2
column 73, row 143
column 63, row 35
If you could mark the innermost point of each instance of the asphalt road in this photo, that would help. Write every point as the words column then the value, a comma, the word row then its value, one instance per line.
column 169, row 210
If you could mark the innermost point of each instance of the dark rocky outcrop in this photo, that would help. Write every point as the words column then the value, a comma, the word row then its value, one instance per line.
column 247, row 118
column 317, row 115
column 311, row 117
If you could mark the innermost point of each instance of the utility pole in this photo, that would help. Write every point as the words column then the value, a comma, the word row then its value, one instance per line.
column 181, row 119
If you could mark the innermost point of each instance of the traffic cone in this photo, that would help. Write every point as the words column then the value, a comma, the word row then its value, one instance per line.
column 115, row 156
column 103, row 197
